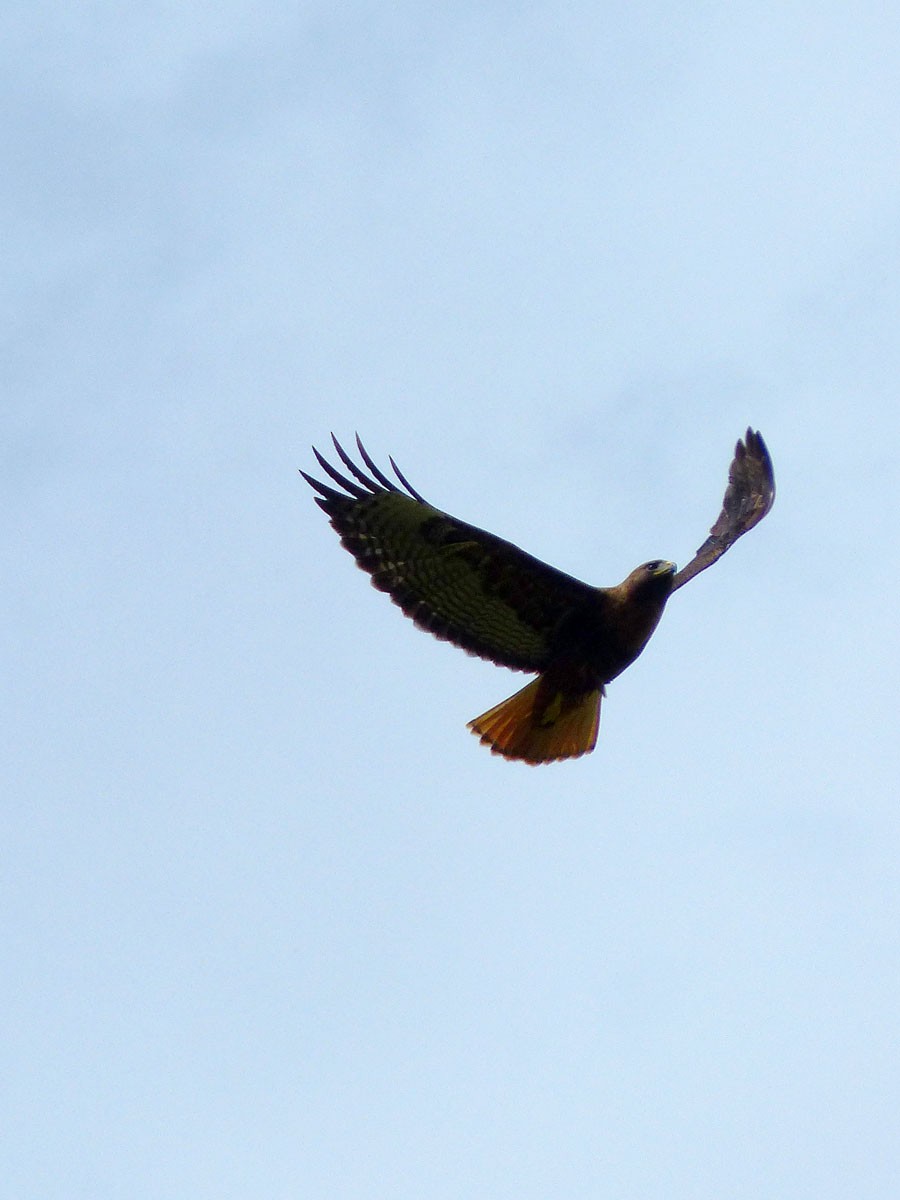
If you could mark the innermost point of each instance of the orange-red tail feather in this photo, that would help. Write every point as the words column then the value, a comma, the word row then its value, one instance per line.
column 540, row 725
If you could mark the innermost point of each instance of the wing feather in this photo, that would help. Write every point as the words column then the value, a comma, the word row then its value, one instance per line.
column 353, row 488
column 409, row 487
column 749, row 496
column 460, row 583
column 352, row 467
column 376, row 471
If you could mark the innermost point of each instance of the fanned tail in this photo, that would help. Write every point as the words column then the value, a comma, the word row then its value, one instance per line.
column 540, row 724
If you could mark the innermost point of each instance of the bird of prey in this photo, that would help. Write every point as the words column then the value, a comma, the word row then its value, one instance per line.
column 487, row 596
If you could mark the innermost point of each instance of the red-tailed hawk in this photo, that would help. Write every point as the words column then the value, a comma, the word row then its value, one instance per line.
column 486, row 595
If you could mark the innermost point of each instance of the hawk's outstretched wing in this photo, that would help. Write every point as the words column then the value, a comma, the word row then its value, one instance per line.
column 460, row 583
column 749, row 496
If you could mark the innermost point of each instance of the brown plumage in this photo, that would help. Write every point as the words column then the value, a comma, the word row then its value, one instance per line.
column 486, row 595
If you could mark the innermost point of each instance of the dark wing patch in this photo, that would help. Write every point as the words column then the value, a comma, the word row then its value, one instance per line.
column 460, row 583
column 749, row 496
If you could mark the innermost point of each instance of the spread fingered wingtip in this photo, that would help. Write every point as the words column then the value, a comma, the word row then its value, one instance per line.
column 352, row 467
column 347, row 484
column 361, row 485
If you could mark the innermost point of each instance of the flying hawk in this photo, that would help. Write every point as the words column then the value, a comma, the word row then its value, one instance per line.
column 486, row 595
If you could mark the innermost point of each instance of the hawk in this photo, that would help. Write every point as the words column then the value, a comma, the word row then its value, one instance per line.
column 487, row 596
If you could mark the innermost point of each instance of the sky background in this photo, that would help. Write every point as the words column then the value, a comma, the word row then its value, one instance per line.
column 273, row 924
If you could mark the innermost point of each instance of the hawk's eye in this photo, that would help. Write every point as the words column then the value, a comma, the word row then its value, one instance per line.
column 655, row 565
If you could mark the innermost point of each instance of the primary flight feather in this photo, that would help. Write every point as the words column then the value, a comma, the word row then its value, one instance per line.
column 486, row 595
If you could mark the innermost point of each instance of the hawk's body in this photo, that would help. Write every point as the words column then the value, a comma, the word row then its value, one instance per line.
column 486, row 595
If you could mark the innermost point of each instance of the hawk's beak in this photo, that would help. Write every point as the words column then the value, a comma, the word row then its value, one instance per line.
column 665, row 568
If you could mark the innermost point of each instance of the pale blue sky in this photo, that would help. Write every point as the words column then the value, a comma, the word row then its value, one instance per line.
column 273, row 924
